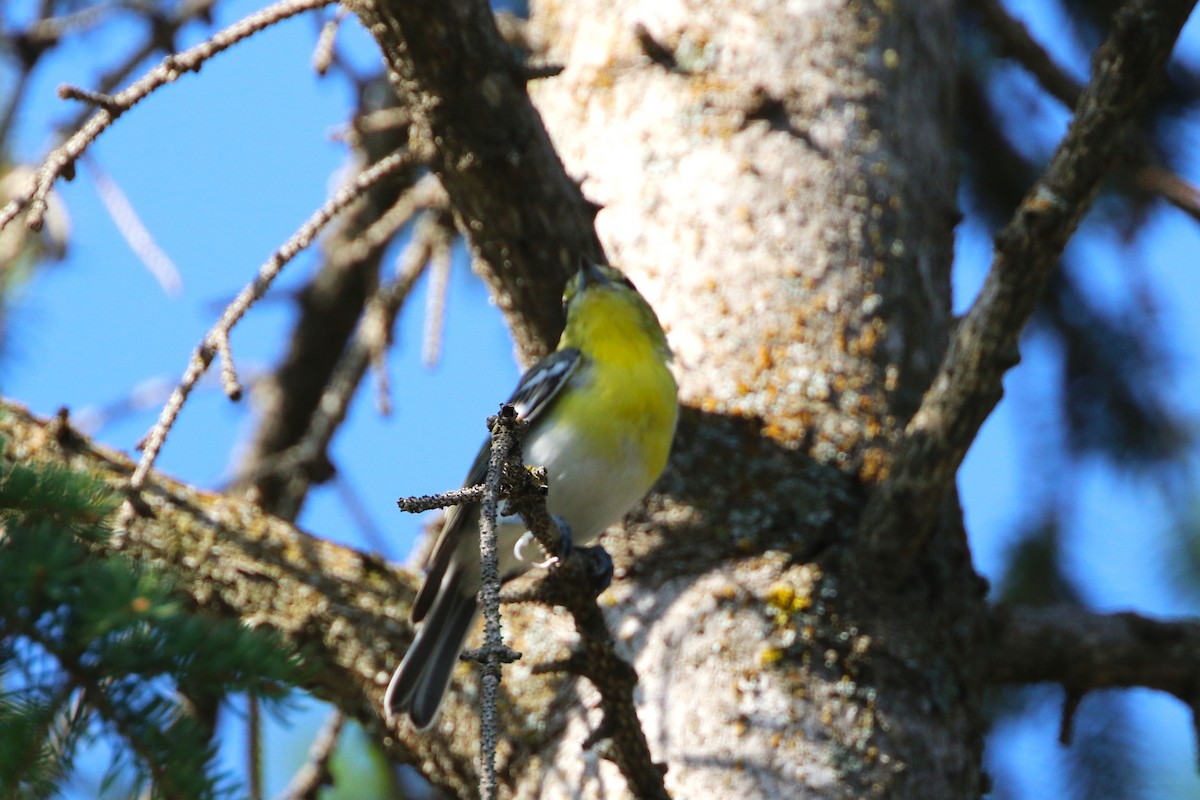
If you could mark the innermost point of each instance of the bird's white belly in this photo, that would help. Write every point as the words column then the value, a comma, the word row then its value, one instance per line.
column 589, row 493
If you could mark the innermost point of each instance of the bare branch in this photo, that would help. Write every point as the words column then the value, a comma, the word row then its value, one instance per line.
column 136, row 235
column 160, row 36
column 202, row 357
column 428, row 502
column 435, row 305
column 99, row 99
column 308, row 781
column 1085, row 651
column 1020, row 44
column 1181, row 193
column 324, row 52
column 425, row 193
column 984, row 345
column 373, row 333
column 229, row 378
column 506, row 431
column 63, row 158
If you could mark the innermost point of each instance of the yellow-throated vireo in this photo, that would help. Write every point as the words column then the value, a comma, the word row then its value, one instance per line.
column 602, row 410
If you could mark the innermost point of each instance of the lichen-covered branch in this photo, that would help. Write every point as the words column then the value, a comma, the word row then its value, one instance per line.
column 1128, row 67
column 345, row 610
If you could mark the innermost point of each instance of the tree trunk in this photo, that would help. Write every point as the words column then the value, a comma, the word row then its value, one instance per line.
column 779, row 182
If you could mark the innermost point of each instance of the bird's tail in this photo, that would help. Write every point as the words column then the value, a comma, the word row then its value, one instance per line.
column 421, row 679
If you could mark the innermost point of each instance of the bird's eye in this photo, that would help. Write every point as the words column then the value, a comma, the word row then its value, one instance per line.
column 569, row 292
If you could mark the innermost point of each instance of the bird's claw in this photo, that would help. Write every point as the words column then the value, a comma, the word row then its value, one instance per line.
column 564, row 547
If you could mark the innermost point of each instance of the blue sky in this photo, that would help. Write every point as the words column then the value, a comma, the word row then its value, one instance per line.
column 223, row 166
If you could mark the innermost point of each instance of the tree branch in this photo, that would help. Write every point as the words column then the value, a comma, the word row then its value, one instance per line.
column 62, row 160
column 1085, row 651
column 1128, row 66
column 331, row 308
column 527, row 221
column 316, row 774
column 215, row 342
column 1020, row 44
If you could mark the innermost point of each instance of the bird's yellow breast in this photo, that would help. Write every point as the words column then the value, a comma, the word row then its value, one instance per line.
column 628, row 409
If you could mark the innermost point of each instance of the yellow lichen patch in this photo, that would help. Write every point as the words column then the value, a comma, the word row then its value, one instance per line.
column 787, row 601
column 770, row 655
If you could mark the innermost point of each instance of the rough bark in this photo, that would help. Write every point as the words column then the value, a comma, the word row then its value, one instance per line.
column 779, row 183
column 465, row 88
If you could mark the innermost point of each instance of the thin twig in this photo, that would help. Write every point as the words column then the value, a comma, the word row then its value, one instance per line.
column 428, row 502
column 324, row 52
column 1169, row 185
column 1019, row 43
column 135, row 233
column 435, row 303
column 373, row 333
column 159, row 38
column 506, row 432
column 98, row 99
column 984, row 344
column 254, row 765
column 427, row 192
column 202, row 357
column 380, row 318
column 48, row 30
column 63, row 157
column 308, row 781
column 229, row 378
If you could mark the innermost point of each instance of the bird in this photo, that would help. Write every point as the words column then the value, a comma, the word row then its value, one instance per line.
column 601, row 412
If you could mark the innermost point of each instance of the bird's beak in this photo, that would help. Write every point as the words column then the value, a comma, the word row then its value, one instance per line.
column 590, row 274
